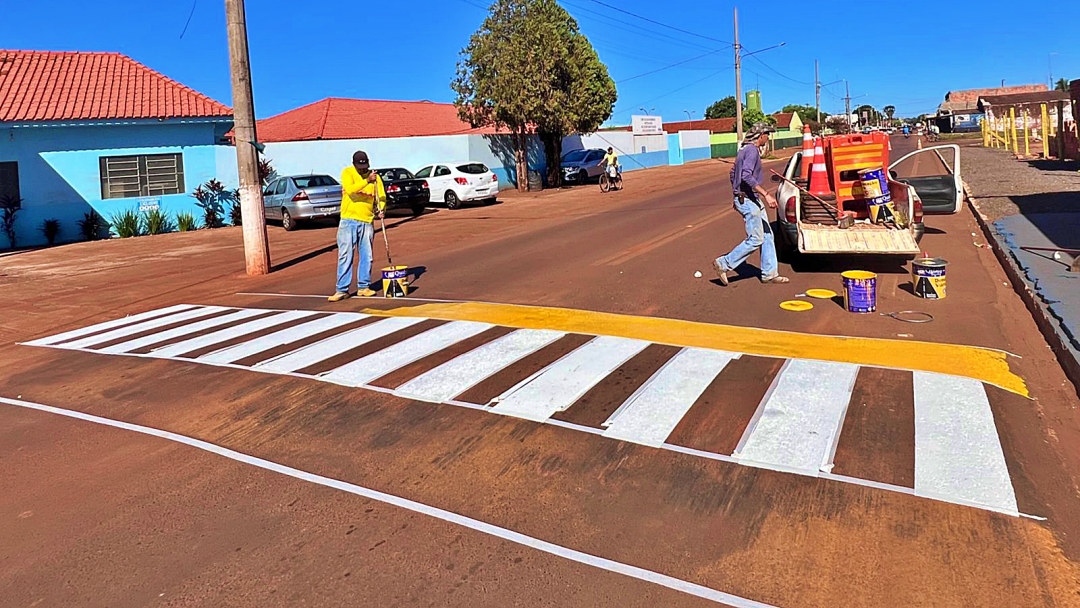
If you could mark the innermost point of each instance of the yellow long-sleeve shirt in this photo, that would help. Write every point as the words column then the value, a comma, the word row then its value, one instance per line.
column 358, row 196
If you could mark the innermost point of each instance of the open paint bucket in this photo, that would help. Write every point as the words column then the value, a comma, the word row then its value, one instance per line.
column 860, row 291
column 395, row 281
column 928, row 278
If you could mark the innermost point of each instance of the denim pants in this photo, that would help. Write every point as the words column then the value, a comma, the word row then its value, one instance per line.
column 354, row 236
column 758, row 234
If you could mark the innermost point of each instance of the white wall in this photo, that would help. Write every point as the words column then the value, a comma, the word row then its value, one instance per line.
column 331, row 156
column 694, row 139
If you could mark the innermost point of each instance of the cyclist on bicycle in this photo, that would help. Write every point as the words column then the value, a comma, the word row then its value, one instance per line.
column 611, row 159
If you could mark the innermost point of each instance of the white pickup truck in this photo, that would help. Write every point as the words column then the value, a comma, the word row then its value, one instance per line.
column 809, row 227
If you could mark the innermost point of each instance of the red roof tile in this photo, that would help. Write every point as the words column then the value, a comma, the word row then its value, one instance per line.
column 45, row 85
column 336, row 118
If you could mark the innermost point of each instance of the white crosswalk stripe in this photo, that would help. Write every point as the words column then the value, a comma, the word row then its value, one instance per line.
column 130, row 330
column 559, row 385
column 957, row 452
column 462, row 373
column 183, row 330
column 376, row 365
column 261, row 344
column 205, row 341
column 335, row 345
column 798, row 424
column 650, row 415
column 796, row 428
column 75, row 333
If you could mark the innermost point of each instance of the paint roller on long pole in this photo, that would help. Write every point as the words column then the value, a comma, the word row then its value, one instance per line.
column 395, row 279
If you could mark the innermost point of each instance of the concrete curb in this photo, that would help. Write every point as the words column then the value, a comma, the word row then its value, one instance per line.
column 1046, row 322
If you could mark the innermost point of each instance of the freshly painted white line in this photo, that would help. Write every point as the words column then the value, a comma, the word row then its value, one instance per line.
column 335, row 345
column 506, row 534
column 462, row 373
column 560, row 384
column 75, row 333
column 796, row 427
column 183, row 330
column 378, row 364
column 958, row 454
column 279, row 338
column 323, row 297
column 224, row 335
column 655, row 411
column 130, row 330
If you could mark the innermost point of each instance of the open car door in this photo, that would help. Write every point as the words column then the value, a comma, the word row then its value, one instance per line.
column 935, row 176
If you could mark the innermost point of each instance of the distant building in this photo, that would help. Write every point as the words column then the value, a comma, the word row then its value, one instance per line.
column 100, row 131
column 961, row 111
column 339, row 118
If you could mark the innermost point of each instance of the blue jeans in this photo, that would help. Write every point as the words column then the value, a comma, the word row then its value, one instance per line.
column 758, row 234
column 353, row 236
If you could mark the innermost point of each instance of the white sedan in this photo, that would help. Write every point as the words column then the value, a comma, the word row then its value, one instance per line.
column 456, row 183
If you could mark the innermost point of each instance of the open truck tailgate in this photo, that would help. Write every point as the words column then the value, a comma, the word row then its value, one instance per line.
column 823, row 238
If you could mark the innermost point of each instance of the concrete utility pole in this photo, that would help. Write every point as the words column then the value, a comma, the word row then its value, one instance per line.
column 738, row 80
column 847, row 103
column 817, row 91
column 256, row 250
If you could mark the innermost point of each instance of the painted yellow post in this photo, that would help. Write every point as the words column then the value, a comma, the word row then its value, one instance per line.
column 1004, row 132
column 1027, row 132
column 1045, row 132
column 1012, row 127
column 982, row 130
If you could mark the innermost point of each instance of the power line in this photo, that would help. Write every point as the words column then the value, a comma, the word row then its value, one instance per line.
column 634, row 106
column 654, row 22
column 638, row 30
column 771, row 69
column 667, row 67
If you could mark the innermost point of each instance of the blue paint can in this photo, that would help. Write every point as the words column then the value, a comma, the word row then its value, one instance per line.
column 875, row 188
column 860, row 291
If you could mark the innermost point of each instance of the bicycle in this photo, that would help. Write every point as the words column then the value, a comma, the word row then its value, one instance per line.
column 610, row 179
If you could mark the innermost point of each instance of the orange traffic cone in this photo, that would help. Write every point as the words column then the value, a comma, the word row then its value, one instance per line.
column 807, row 153
column 819, row 175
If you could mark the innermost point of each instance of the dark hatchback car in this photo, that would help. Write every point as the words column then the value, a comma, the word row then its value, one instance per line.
column 404, row 191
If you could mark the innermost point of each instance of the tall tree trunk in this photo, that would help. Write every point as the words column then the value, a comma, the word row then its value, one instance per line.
column 521, row 155
column 553, row 157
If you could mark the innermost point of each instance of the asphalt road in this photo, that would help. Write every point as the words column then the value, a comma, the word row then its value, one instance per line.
column 623, row 433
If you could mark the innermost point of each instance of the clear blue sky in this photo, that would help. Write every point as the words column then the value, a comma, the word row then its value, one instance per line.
column 407, row 49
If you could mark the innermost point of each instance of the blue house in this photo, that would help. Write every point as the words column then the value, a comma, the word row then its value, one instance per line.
column 100, row 131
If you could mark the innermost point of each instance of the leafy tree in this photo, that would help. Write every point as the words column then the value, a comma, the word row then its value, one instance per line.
column 889, row 111
column 1061, row 85
column 839, row 123
column 725, row 108
column 807, row 113
column 753, row 116
column 529, row 69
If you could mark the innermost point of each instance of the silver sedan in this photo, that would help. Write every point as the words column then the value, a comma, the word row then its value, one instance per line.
column 293, row 198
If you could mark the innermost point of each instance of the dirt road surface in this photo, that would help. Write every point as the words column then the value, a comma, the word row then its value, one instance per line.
column 564, row 416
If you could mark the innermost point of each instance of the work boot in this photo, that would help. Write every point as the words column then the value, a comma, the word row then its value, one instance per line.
column 338, row 296
column 367, row 292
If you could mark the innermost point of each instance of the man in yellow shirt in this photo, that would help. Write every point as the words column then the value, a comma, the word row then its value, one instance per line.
column 363, row 198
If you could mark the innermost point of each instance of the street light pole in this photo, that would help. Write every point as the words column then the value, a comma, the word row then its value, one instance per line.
column 690, row 117
column 738, row 80
column 256, row 249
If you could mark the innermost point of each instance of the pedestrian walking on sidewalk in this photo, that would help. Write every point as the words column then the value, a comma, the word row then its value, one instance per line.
column 363, row 198
column 749, row 191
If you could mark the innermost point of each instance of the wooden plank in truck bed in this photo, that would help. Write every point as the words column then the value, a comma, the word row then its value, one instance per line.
column 814, row 238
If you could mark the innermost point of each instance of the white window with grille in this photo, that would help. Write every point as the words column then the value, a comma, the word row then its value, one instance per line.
column 143, row 175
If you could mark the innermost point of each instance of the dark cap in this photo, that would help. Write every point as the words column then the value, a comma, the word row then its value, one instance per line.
column 360, row 159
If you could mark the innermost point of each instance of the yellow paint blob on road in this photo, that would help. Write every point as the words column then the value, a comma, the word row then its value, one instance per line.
column 983, row 364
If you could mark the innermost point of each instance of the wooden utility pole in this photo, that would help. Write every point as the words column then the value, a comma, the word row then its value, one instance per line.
column 256, row 250
column 738, row 82
column 817, row 91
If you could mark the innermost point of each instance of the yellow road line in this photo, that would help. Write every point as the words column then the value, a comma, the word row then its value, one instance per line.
column 983, row 364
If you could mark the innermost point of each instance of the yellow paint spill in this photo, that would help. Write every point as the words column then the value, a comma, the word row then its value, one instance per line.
column 983, row 364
